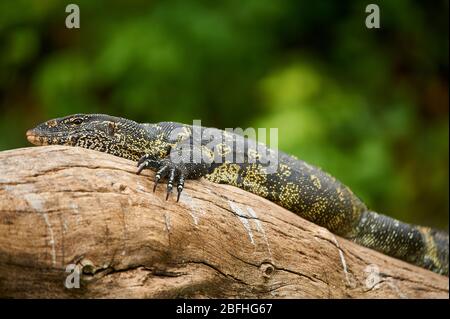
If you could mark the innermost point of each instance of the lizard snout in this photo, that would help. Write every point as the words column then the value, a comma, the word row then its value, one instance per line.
column 33, row 137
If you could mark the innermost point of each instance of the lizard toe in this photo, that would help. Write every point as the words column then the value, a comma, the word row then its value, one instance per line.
column 171, row 178
column 180, row 187
column 161, row 173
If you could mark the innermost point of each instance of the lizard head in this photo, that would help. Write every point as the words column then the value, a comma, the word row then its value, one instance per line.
column 94, row 131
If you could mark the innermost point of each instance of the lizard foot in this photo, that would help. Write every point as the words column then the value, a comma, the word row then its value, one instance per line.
column 165, row 169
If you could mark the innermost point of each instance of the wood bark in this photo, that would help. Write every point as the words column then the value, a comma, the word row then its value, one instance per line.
column 67, row 211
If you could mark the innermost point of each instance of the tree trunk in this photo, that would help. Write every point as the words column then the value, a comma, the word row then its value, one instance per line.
column 71, row 213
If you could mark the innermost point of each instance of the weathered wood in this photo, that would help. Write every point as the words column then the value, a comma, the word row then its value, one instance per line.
column 62, row 206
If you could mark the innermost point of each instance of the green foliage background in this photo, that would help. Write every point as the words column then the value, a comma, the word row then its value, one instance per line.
column 368, row 106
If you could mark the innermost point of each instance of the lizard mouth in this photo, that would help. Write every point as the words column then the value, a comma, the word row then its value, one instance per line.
column 35, row 139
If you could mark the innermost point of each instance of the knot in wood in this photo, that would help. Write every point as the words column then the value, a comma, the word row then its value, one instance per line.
column 267, row 270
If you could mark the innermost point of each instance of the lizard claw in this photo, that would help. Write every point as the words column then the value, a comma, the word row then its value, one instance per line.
column 141, row 167
column 170, row 182
column 157, row 178
column 169, row 190
column 144, row 162
column 174, row 172
column 180, row 187
column 143, row 159
column 161, row 173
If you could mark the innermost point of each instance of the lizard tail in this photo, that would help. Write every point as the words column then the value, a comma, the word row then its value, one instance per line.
column 422, row 246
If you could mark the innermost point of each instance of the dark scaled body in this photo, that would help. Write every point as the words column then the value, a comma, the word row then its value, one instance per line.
column 178, row 152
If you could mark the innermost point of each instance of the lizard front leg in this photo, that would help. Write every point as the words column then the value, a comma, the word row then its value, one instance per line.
column 184, row 161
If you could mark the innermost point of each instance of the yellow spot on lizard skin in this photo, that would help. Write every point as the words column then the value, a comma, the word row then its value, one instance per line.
column 225, row 174
column 341, row 194
column 289, row 194
column 431, row 250
column 206, row 154
column 318, row 208
column 255, row 180
column 315, row 181
column 52, row 123
column 285, row 170
column 223, row 149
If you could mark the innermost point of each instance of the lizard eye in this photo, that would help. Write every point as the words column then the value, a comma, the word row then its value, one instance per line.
column 77, row 121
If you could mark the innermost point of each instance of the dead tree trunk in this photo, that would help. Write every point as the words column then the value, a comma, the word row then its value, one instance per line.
column 68, row 211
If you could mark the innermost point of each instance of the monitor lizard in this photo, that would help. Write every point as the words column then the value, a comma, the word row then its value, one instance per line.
column 179, row 151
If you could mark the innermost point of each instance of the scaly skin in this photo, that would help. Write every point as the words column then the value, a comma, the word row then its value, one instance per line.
column 293, row 184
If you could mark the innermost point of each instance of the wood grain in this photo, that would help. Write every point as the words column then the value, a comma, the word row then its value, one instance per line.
column 63, row 207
